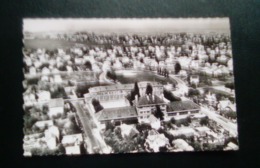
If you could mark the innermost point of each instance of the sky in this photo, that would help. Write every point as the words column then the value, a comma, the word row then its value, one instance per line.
column 129, row 25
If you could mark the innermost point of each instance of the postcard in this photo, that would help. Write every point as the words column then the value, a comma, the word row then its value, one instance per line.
column 128, row 85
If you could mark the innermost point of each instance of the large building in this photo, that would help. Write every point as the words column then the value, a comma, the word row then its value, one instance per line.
column 119, row 91
column 146, row 106
column 117, row 114
column 143, row 107
column 182, row 108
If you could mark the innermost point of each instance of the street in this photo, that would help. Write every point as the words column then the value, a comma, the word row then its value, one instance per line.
column 227, row 125
column 87, row 123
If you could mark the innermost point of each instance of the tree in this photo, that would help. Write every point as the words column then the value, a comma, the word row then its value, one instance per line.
column 158, row 113
column 29, row 121
column 149, row 89
column 169, row 95
column 59, row 92
column 204, row 121
column 110, row 125
column 112, row 75
column 193, row 92
column 136, row 90
column 82, row 89
column 61, row 149
column 88, row 65
column 230, row 85
column 177, row 68
column 97, row 106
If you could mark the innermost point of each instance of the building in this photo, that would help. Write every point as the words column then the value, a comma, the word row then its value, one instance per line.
column 146, row 106
column 183, row 131
column 186, row 107
column 120, row 91
column 82, row 78
column 128, row 131
column 194, row 79
column 120, row 114
column 74, row 139
column 211, row 99
column 44, row 95
column 56, row 107
column 73, row 150
column 181, row 145
column 43, row 124
column 155, row 140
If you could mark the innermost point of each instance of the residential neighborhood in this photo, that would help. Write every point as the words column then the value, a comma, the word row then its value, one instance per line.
column 94, row 93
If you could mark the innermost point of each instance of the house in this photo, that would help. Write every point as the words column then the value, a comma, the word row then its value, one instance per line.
column 226, row 105
column 74, row 139
column 56, row 106
column 29, row 99
column 231, row 146
column 182, row 145
column 194, row 79
column 73, row 150
column 57, row 79
column 155, row 140
column 51, row 142
column 154, row 122
column 44, row 95
column 32, row 71
column 183, row 131
column 222, row 59
column 32, row 141
column 43, row 124
column 45, row 71
column 202, row 131
column 128, row 130
column 211, row 99
column 52, row 131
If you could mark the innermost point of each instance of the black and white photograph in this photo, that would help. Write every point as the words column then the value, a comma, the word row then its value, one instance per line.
column 128, row 85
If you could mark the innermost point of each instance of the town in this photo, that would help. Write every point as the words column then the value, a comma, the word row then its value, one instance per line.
column 88, row 93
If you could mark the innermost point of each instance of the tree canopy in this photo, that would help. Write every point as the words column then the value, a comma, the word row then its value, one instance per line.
column 177, row 68
column 112, row 75
column 149, row 89
column 169, row 95
column 97, row 106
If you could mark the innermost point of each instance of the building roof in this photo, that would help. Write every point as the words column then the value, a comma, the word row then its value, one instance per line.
column 183, row 131
column 202, row 129
column 72, row 150
column 156, row 141
column 116, row 113
column 56, row 102
column 42, row 124
column 183, row 145
column 123, row 86
column 151, row 99
column 182, row 106
column 72, row 139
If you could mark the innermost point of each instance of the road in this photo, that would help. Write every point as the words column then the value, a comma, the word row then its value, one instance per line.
column 225, row 123
column 87, row 122
column 178, row 80
column 103, row 78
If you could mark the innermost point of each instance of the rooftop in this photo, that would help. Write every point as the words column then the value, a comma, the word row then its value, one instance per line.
column 116, row 113
column 56, row 103
column 182, row 105
column 123, row 86
column 151, row 99
column 71, row 139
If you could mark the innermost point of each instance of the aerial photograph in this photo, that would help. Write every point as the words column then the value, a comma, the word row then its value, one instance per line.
column 128, row 85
